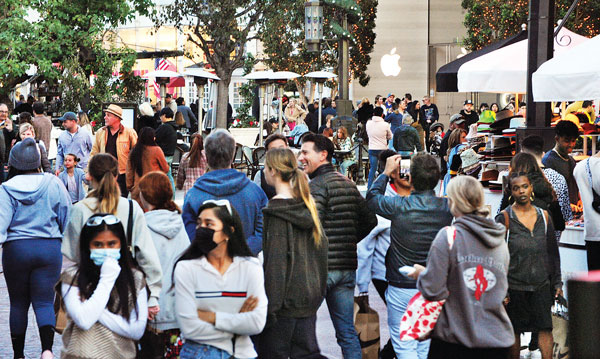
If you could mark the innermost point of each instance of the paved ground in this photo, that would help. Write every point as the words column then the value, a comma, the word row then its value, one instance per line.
column 325, row 331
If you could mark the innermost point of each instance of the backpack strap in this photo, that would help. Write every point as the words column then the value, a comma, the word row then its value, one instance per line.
column 506, row 223
column 130, row 227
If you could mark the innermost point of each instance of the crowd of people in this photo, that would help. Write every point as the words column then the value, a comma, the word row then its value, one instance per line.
column 242, row 267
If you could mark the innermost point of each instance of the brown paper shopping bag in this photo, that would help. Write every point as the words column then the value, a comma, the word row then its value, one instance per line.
column 366, row 322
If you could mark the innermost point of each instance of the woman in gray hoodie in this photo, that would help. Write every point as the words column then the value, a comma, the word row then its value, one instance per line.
column 168, row 233
column 471, row 276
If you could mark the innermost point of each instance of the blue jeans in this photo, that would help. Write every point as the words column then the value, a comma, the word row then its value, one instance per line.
column 345, row 165
column 193, row 350
column 397, row 300
column 170, row 174
column 373, row 162
column 340, row 302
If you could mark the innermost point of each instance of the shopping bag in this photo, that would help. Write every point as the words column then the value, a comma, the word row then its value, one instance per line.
column 60, row 314
column 366, row 323
column 560, row 324
column 420, row 318
column 421, row 314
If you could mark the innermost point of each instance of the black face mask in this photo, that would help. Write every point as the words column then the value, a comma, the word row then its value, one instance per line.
column 204, row 237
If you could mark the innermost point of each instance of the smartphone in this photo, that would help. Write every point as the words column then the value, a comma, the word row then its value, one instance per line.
column 407, row 270
column 404, row 168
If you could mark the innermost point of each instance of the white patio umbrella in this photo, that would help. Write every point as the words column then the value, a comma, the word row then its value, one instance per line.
column 505, row 69
column 263, row 79
column 162, row 77
column 201, row 78
column 280, row 78
column 572, row 76
column 320, row 77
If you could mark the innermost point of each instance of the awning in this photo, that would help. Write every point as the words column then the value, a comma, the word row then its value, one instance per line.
column 505, row 70
column 446, row 76
column 572, row 76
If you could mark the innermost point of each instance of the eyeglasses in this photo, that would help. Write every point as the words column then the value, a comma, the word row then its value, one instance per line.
column 221, row 203
column 109, row 219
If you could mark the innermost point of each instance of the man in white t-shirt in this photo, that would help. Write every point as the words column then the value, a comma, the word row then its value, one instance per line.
column 587, row 176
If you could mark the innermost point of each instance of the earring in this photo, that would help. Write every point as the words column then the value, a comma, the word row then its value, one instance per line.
column 510, row 198
column 532, row 198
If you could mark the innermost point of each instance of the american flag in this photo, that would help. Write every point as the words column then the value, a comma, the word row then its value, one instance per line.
column 164, row 64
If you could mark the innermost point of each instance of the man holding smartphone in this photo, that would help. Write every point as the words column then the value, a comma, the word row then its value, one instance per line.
column 415, row 221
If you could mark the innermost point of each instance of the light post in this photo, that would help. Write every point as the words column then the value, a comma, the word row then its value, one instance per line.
column 313, row 25
column 201, row 78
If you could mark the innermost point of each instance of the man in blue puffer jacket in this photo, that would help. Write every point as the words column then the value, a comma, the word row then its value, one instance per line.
column 223, row 182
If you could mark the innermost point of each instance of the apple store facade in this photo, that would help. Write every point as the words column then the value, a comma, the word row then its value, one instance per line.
column 414, row 39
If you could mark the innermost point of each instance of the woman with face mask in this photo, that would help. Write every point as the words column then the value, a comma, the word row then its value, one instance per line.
column 220, row 296
column 105, row 197
column 104, row 295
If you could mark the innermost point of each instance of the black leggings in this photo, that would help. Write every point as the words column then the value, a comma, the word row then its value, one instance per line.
column 593, row 255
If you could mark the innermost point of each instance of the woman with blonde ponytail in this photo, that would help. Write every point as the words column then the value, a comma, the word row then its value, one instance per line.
column 105, row 197
column 295, row 261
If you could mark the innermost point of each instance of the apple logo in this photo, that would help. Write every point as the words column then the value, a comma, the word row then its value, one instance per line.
column 389, row 63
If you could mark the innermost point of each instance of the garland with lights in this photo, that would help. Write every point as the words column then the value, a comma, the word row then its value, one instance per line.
column 488, row 21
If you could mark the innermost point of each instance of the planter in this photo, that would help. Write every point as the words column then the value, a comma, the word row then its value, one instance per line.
column 244, row 136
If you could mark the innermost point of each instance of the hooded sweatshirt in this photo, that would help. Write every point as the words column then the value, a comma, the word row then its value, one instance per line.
column 245, row 196
column 33, row 206
column 472, row 278
column 170, row 239
column 295, row 268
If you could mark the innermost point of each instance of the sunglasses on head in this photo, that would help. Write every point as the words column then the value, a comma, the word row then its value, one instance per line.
column 220, row 203
column 109, row 219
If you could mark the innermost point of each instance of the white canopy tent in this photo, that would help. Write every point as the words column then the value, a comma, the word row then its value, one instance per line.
column 505, row 69
column 572, row 76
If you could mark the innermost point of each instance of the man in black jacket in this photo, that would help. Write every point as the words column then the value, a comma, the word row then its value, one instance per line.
column 346, row 221
column 166, row 139
column 416, row 220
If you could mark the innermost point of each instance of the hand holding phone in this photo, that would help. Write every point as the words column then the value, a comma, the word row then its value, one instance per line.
column 407, row 270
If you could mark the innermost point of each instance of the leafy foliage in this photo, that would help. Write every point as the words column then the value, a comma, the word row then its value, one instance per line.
column 282, row 33
column 220, row 29
column 488, row 21
column 244, row 119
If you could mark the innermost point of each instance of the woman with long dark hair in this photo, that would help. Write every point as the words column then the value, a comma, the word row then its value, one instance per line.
column 34, row 211
column 145, row 157
column 104, row 294
column 192, row 164
column 295, row 253
column 105, row 197
column 220, row 296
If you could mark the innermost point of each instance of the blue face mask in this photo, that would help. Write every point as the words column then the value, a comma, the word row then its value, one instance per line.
column 99, row 255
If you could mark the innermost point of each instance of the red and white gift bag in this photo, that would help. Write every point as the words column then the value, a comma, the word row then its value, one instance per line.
column 421, row 314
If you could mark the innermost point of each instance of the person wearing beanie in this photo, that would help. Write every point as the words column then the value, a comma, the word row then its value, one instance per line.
column 35, row 210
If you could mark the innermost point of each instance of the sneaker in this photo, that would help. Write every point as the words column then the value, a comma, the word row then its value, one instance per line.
column 536, row 354
column 525, row 354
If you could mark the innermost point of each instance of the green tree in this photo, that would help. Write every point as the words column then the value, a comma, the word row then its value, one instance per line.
column 282, row 34
column 488, row 21
column 247, row 93
column 66, row 41
column 221, row 29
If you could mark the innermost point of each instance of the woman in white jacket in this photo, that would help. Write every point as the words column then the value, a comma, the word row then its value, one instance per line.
column 220, row 296
column 104, row 295
column 168, row 233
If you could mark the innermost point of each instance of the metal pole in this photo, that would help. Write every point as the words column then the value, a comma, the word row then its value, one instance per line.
column 343, row 104
column 261, row 110
column 163, row 90
column 200, row 106
column 540, row 50
column 320, row 105
column 562, row 23
column 280, row 109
